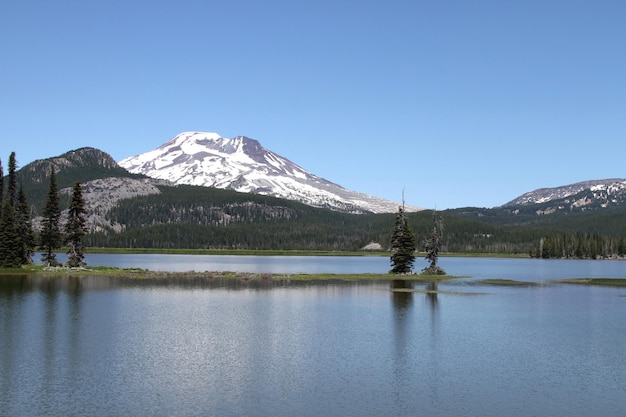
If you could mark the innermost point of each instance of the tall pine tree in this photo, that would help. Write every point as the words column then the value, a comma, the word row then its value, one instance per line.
column 1, row 183
column 50, row 236
column 24, row 228
column 12, row 185
column 402, row 245
column 9, row 240
column 75, row 229
column 433, row 246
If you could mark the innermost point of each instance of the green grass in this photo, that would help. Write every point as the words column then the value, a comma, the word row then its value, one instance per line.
column 610, row 282
column 417, row 278
column 507, row 282
column 427, row 291
column 144, row 273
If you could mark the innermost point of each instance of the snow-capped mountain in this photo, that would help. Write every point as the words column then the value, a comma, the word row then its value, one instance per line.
column 242, row 164
column 601, row 193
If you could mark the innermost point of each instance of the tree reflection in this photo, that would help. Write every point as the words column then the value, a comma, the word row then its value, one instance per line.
column 401, row 294
column 402, row 300
column 431, row 295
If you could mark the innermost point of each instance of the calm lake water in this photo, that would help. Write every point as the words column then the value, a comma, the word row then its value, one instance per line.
column 518, row 269
column 103, row 346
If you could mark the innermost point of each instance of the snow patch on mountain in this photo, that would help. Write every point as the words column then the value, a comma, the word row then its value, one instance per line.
column 242, row 164
column 609, row 187
column 582, row 196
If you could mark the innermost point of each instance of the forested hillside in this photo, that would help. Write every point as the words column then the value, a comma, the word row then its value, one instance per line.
column 591, row 233
column 202, row 218
column 199, row 217
column 84, row 164
column 610, row 222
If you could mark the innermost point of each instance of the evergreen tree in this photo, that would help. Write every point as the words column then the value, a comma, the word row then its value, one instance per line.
column 12, row 186
column 24, row 228
column 75, row 229
column 50, row 236
column 9, row 239
column 1, row 184
column 402, row 245
column 433, row 245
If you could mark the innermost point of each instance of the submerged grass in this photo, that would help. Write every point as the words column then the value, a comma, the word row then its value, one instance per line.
column 507, row 282
column 434, row 292
column 611, row 282
column 139, row 273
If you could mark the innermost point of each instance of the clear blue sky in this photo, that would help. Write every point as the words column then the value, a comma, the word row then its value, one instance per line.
column 458, row 103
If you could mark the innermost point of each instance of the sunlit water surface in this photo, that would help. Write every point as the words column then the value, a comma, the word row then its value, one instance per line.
column 104, row 346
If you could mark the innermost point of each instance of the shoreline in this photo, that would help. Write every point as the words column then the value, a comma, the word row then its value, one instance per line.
column 281, row 252
column 138, row 273
column 416, row 278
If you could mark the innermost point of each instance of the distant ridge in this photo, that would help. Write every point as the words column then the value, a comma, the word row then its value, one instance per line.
column 585, row 194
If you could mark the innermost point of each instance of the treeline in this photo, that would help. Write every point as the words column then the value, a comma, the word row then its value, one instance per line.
column 579, row 246
column 205, row 218
column 194, row 217
column 18, row 237
column 609, row 222
column 197, row 218
column 208, row 207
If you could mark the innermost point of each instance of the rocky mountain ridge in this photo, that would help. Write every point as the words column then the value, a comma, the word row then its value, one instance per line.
column 128, row 210
column 584, row 195
column 104, row 183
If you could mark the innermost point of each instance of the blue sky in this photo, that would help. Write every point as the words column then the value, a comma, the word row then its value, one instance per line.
column 458, row 103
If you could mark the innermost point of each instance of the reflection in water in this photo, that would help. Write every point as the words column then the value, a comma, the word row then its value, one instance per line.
column 431, row 295
column 105, row 346
column 433, row 370
column 417, row 343
column 402, row 299
column 75, row 292
column 49, row 345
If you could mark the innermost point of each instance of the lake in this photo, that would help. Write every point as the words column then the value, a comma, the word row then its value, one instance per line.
column 508, row 268
column 104, row 346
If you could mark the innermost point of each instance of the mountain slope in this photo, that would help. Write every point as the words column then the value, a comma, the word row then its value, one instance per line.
column 595, row 192
column 82, row 165
column 104, row 183
column 242, row 164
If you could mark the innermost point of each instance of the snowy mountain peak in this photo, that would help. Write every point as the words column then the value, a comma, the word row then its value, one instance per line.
column 243, row 164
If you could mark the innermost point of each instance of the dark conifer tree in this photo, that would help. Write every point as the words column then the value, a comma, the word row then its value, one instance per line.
column 50, row 236
column 433, row 246
column 24, row 228
column 9, row 239
column 12, row 185
column 1, row 184
column 402, row 245
column 75, row 229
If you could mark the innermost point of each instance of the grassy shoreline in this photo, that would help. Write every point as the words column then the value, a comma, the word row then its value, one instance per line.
column 416, row 278
column 138, row 273
column 607, row 282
